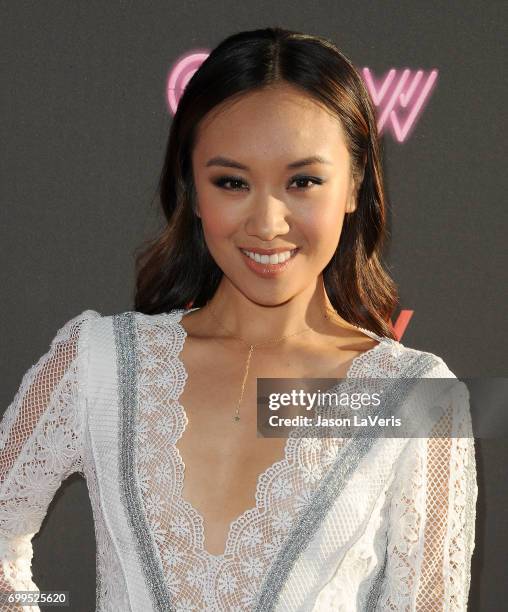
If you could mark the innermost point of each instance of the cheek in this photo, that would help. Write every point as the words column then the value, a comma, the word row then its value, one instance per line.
column 216, row 217
column 321, row 222
column 214, row 225
column 220, row 222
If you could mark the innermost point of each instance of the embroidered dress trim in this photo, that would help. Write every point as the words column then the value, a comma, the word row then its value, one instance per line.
column 125, row 337
column 332, row 484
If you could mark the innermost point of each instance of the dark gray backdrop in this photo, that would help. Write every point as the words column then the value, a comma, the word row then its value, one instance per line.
column 84, row 124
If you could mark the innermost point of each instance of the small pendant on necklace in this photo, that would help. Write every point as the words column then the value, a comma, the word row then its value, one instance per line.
column 236, row 417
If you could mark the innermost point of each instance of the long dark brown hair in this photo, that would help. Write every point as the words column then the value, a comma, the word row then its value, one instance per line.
column 176, row 270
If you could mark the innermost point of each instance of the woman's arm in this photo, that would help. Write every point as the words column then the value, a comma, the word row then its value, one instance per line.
column 432, row 516
column 40, row 446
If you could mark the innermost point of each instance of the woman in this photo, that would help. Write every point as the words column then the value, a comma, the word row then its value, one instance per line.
column 268, row 267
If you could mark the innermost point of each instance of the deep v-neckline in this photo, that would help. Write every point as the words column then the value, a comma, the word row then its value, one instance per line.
column 165, row 528
column 176, row 317
column 177, row 572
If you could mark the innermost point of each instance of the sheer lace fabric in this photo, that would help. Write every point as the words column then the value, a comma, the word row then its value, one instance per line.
column 40, row 446
column 420, row 523
column 430, row 538
column 198, row 579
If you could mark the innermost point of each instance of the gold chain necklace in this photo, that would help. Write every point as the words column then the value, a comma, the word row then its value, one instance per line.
column 251, row 349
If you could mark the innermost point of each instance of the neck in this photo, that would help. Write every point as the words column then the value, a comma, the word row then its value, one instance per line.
column 256, row 322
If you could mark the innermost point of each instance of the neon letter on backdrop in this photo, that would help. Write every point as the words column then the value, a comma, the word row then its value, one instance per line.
column 397, row 90
column 402, row 322
column 181, row 73
column 400, row 89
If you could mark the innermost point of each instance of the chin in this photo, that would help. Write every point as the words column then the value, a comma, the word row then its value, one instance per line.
column 269, row 298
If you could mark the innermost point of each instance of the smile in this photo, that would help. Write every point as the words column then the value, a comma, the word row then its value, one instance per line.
column 269, row 265
column 276, row 258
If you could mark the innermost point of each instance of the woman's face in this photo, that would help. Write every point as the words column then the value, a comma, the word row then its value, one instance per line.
column 252, row 199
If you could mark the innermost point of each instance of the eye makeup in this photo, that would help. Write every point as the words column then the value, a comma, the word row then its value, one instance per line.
column 222, row 181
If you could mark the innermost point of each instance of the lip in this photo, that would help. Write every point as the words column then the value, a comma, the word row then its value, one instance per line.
column 268, row 270
column 268, row 251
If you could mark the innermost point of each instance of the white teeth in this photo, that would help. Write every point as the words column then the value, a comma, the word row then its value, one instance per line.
column 272, row 259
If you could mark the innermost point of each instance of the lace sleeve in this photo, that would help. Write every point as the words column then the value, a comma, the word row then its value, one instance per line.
column 432, row 517
column 40, row 446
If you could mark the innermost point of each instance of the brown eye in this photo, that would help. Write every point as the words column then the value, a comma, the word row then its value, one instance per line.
column 235, row 181
column 305, row 180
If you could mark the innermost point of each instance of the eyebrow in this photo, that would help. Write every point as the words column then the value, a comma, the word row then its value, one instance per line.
column 231, row 163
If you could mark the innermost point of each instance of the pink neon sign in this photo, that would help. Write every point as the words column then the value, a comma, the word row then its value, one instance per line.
column 181, row 73
column 400, row 96
column 402, row 322
column 398, row 90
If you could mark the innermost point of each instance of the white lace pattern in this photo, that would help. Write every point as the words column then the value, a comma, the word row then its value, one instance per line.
column 417, row 537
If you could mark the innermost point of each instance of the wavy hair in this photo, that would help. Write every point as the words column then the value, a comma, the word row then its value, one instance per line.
column 176, row 270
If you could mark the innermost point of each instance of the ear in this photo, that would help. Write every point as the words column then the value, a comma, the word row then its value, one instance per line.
column 352, row 201
column 351, row 205
column 195, row 202
column 353, row 196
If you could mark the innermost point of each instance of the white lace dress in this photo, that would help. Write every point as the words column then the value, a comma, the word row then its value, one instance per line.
column 339, row 524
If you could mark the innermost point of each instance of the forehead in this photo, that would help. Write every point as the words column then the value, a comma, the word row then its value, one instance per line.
column 277, row 121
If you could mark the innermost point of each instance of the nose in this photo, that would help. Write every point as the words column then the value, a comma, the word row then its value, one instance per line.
column 267, row 218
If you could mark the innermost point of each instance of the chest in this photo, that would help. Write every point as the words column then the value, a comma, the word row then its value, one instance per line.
column 188, row 515
column 224, row 458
